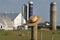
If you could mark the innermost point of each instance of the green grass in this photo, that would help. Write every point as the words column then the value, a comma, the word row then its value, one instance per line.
column 26, row 35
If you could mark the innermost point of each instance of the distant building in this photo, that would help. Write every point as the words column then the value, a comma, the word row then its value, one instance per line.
column 19, row 21
column 44, row 26
column 6, row 23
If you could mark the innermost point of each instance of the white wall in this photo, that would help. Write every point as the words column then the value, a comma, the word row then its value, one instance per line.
column 19, row 20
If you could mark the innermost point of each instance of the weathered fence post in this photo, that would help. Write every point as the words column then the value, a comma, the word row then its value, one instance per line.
column 33, row 22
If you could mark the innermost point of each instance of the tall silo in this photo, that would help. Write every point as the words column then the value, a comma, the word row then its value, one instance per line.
column 29, row 9
column 24, row 13
column 53, row 15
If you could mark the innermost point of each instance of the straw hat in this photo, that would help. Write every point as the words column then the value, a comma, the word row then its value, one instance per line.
column 34, row 18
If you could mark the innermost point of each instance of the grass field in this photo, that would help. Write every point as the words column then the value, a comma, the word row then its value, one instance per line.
column 26, row 35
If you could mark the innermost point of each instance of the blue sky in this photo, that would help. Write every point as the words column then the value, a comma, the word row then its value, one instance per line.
column 41, row 7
